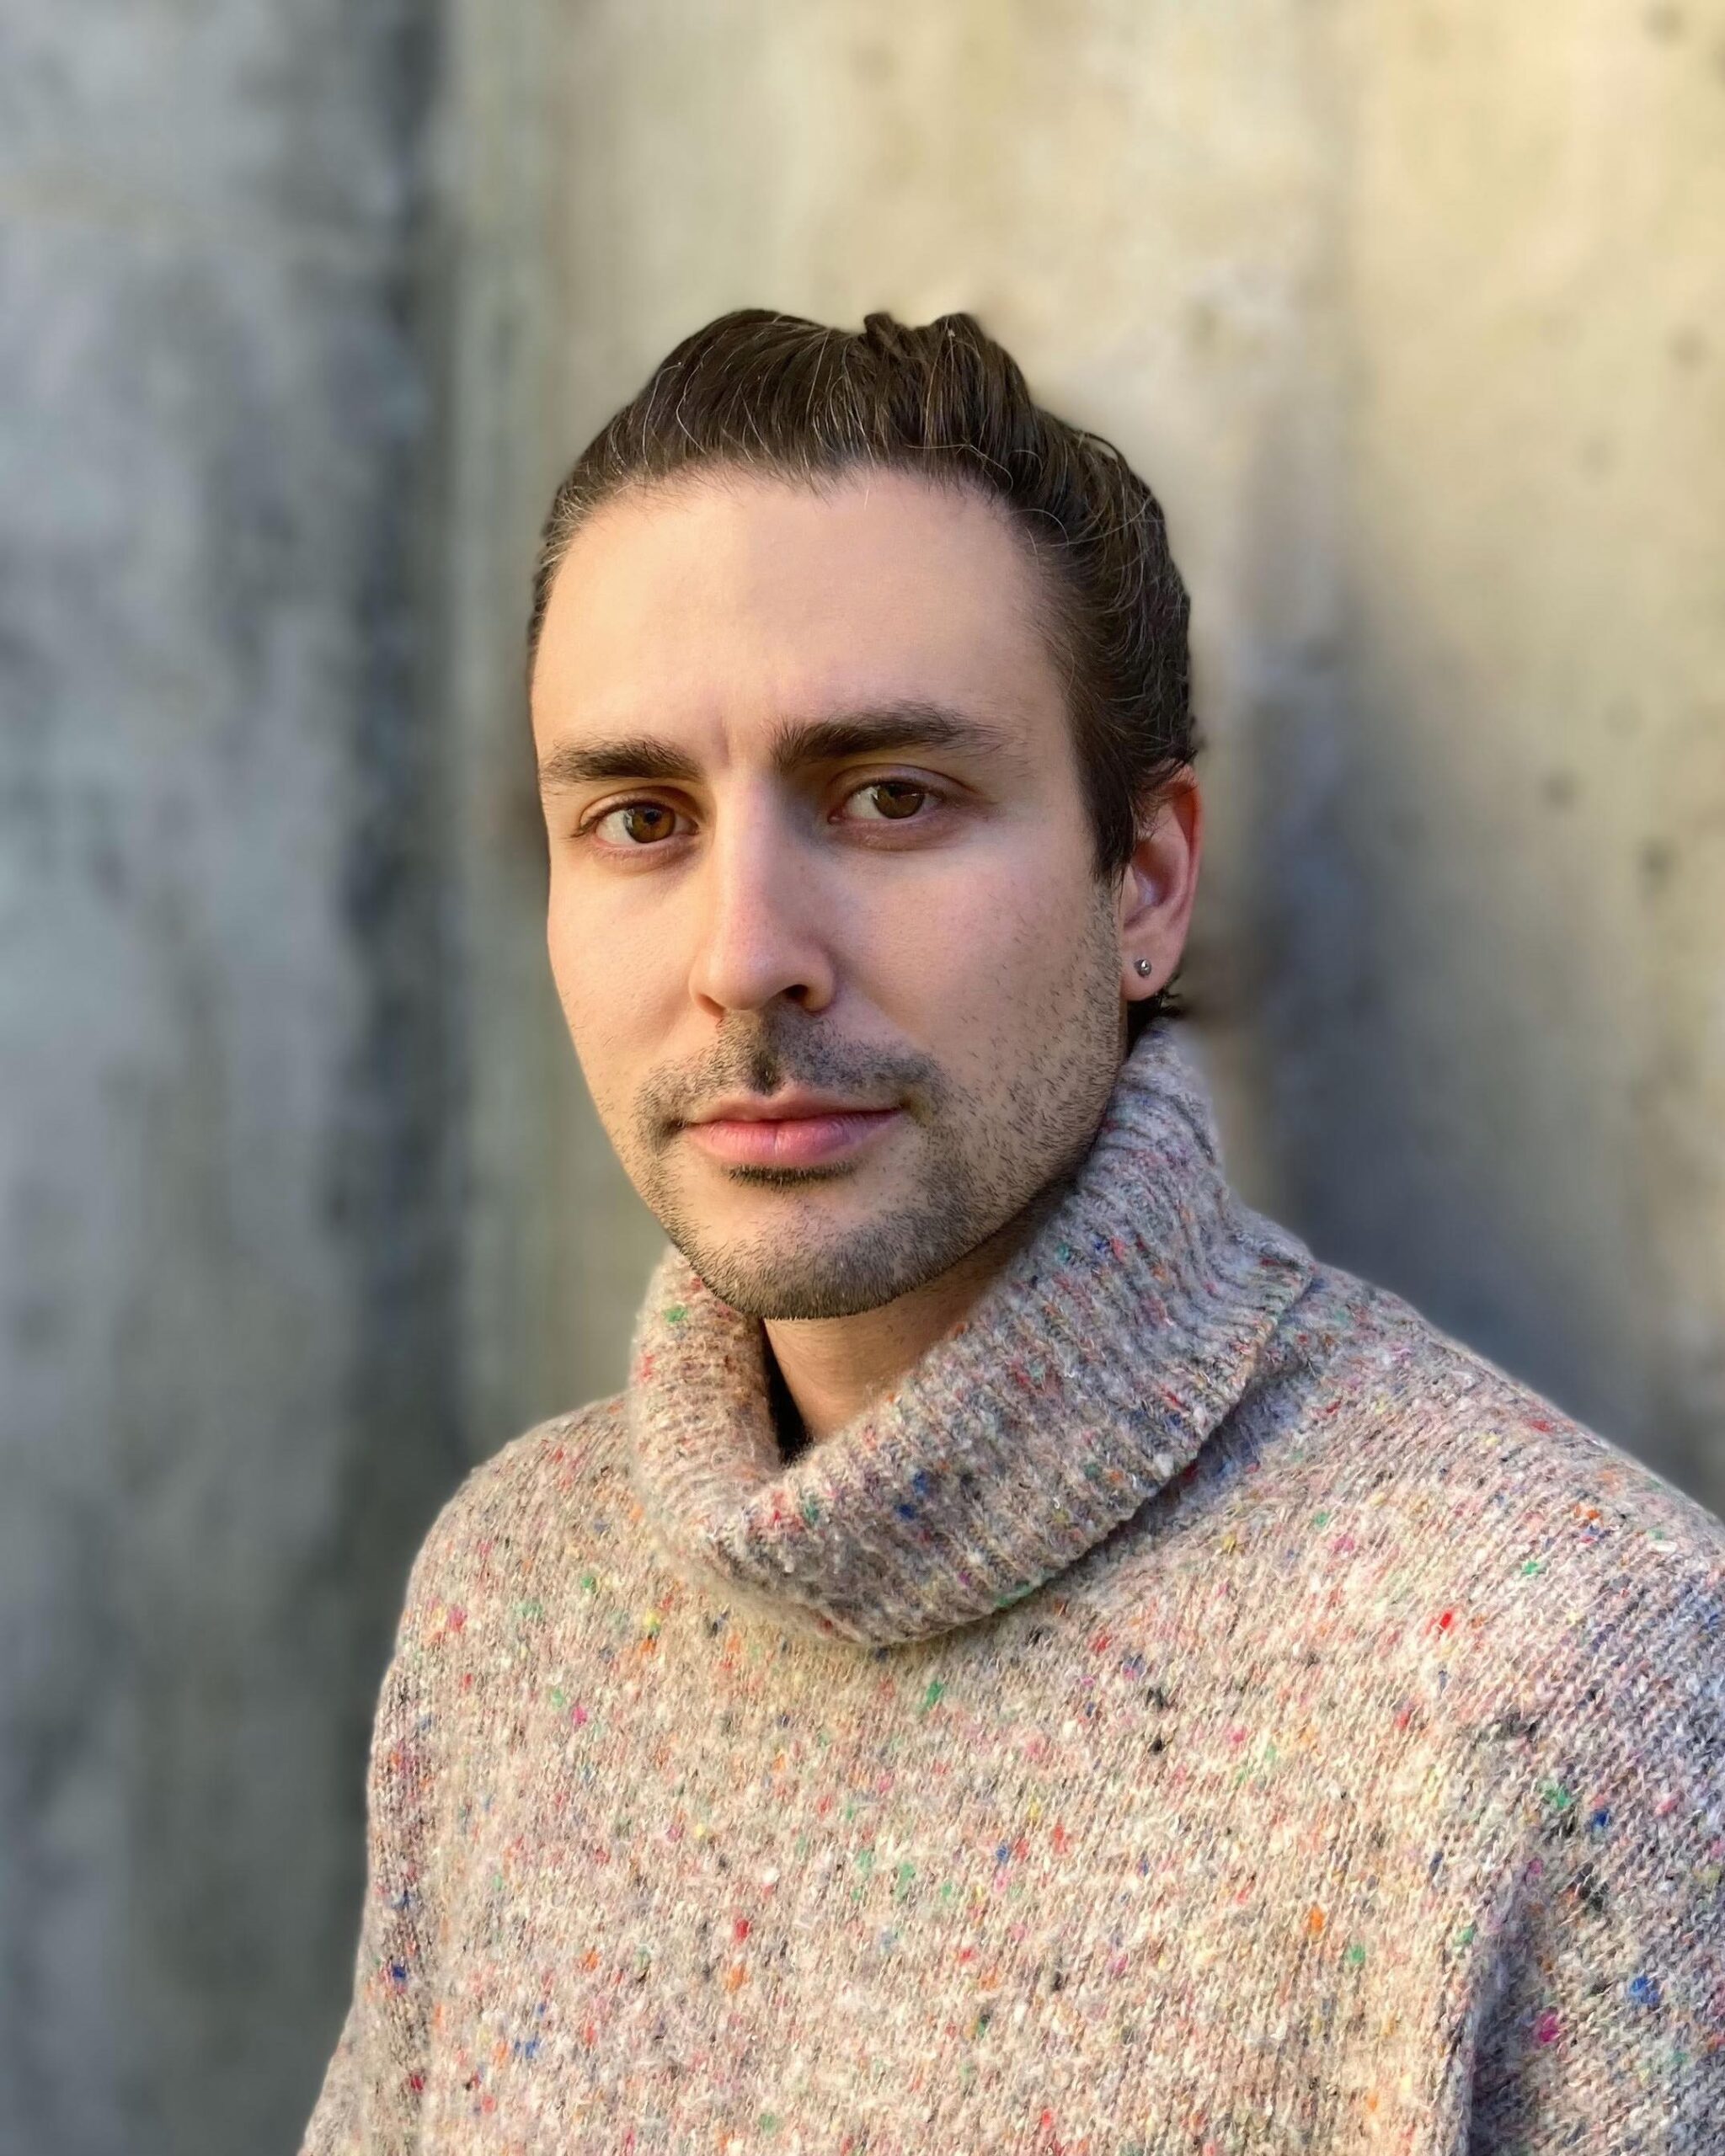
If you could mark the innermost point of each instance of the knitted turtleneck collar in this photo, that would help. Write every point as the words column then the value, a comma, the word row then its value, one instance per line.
column 1086, row 1375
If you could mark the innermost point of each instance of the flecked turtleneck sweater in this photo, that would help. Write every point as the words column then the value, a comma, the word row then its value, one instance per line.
column 1202, row 1709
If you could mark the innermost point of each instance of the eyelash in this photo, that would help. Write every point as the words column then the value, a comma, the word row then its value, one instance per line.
column 586, row 829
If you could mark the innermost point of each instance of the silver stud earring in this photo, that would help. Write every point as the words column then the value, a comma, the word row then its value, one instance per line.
column 1142, row 964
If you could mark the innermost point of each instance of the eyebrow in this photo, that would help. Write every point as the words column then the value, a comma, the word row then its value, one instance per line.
column 794, row 745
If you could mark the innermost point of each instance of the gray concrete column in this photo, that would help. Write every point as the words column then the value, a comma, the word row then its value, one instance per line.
column 225, row 1024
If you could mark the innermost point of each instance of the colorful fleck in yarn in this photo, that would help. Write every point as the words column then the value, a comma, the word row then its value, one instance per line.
column 1204, row 1709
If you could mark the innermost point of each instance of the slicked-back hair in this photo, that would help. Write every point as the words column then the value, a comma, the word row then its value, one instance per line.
column 776, row 396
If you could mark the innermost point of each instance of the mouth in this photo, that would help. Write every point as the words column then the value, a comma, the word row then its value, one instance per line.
column 789, row 1141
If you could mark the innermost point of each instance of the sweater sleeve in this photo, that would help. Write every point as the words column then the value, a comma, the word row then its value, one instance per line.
column 369, row 2103
column 1608, row 2036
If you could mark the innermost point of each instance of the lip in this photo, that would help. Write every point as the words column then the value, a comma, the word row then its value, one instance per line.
column 753, row 1140
column 796, row 1102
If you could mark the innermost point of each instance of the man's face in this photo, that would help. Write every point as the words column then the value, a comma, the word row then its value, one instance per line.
column 815, row 824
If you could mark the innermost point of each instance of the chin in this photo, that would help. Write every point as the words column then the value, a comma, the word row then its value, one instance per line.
column 779, row 1282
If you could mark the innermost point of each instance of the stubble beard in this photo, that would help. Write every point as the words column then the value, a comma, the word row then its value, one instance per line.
column 980, row 1166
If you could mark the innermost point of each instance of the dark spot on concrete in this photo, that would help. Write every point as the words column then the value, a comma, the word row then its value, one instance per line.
column 104, row 856
column 1657, row 859
column 38, row 1324
column 874, row 61
column 1559, row 788
column 1431, row 36
column 1689, row 346
column 1663, row 23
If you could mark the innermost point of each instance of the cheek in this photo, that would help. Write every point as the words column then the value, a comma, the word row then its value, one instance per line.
column 1010, row 937
column 596, row 963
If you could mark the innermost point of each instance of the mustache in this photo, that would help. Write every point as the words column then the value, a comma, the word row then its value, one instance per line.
column 771, row 1055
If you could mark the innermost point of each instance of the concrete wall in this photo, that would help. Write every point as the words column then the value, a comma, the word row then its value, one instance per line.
column 227, row 1278
column 1414, row 316
column 1507, row 901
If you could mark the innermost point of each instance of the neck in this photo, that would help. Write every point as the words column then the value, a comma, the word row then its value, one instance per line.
column 831, row 1368
column 1097, row 1362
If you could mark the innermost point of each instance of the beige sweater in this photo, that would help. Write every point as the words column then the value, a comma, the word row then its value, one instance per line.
column 1203, row 1710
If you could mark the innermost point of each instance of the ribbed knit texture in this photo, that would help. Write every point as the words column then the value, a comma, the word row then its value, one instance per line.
column 1203, row 1709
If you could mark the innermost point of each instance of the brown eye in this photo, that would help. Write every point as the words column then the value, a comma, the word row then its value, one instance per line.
column 897, row 796
column 642, row 822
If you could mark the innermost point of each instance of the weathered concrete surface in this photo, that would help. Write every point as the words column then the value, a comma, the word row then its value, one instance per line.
column 225, row 1279
column 1497, row 1065
column 549, row 1278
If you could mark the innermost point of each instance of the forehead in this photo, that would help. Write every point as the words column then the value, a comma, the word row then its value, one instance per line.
column 736, row 600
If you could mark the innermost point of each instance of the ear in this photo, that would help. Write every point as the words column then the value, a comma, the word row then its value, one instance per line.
column 1158, row 886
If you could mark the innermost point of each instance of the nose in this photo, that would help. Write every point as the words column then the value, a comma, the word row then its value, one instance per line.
column 758, row 906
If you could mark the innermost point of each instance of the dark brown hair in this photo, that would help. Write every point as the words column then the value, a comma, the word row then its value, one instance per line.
column 775, row 394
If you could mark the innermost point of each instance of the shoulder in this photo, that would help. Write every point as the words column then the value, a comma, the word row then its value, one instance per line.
column 522, row 1501
column 1447, row 1414
column 1570, row 1520
column 1535, row 1529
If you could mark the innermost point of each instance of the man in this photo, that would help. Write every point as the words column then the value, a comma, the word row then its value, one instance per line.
column 1033, row 1660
